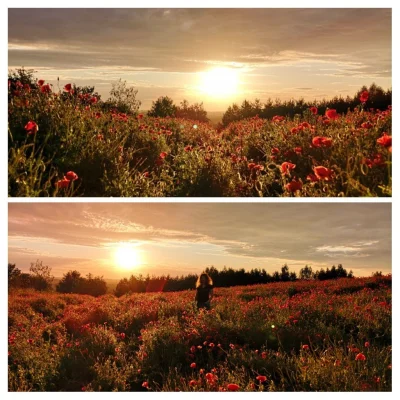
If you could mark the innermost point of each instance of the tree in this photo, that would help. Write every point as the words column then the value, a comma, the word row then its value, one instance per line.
column 285, row 273
column 13, row 274
column 123, row 98
column 41, row 277
column 194, row 112
column 163, row 107
column 70, row 282
column 306, row 273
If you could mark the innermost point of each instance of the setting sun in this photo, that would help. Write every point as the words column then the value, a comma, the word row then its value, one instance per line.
column 127, row 256
column 220, row 82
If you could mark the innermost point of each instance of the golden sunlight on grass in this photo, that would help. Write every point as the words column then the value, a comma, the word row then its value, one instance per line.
column 219, row 82
column 127, row 256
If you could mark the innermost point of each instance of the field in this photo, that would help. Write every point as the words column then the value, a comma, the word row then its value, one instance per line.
column 303, row 336
column 65, row 144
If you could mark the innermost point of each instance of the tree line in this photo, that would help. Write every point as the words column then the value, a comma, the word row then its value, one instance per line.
column 40, row 278
column 378, row 99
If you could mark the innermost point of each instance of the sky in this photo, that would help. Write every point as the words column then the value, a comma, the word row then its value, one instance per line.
column 117, row 240
column 214, row 56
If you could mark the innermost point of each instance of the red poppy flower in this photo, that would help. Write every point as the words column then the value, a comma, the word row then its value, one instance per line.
column 364, row 96
column 323, row 173
column 305, row 125
column 319, row 141
column 145, row 384
column 332, row 114
column 294, row 130
column 298, row 150
column 122, row 335
column 360, row 357
column 278, row 118
column 188, row 148
column 31, row 128
column 366, row 125
column 261, row 378
column 385, row 140
column 286, row 167
column 294, row 185
column 193, row 365
column 41, row 82
column 275, row 150
column 312, row 178
column 366, row 344
column 63, row 183
column 306, row 347
column 93, row 100
column 140, row 116
column 71, row 176
column 163, row 155
column 45, row 88
column 193, row 382
column 68, row 88
column 232, row 387
column 314, row 110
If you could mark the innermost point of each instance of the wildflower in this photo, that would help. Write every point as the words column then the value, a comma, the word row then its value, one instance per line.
column 314, row 110
column 298, row 150
column 63, row 183
column 286, row 167
column 366, row 344
column 193, row 365
column 323, row 173
column 275, row 150
column 360, row 357
column 163, row 155
column 319, row 141
column 93, row 100
column 366, row 125
column 188, row 148
column 306, row 347
column 294, row 185
column 278, row 118
column 145, row 384
column 68, row 88
column 384, row 140
column 193, row 382
column 261, row 378
column 233, row 387
column 41, row 82
column 364, row 96
column 331, row 114
column 31, row 128
column 83, row 388
column 122, row 335
column 71, row 176
column 45, row 89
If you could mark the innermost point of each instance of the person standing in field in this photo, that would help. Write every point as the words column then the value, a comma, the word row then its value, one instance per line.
column 204, row 291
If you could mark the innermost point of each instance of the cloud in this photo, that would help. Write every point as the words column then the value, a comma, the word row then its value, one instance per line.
column 299, row 233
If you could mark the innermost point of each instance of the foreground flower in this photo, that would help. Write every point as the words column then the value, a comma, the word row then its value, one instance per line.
column 360, row 357
column 71, row 176
column 385, row 140
column 364, row 96
column 31, row 128
column 68, row 88
column 320, row 141
column 193, row 365
column 63, row 183
column 145, row 384
column 45, row 88
column 261, row 378
column 286, row 167
column 323, row 173
column 306, row 347
column 332, row 114
column 40, row 82
column 294, row 186
column 163, row 155
column 314, row 110
column 232, row 387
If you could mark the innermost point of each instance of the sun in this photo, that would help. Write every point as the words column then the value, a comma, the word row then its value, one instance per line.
column 220, row 82
column 127, row 256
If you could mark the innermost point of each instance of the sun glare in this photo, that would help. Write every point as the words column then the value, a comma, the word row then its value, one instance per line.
column 127, row 256
column 220, row 82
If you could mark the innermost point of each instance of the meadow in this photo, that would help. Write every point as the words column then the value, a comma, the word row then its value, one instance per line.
column 70, row 143
column 290, row 336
